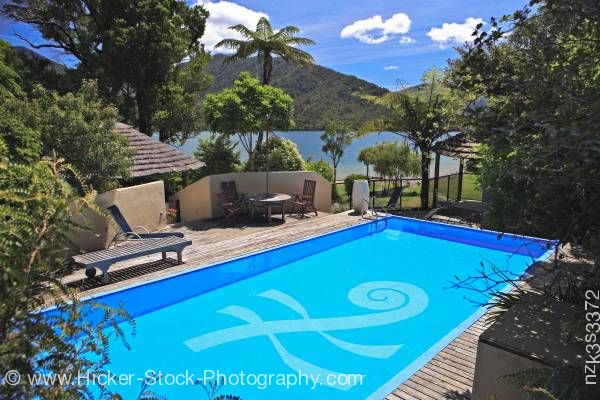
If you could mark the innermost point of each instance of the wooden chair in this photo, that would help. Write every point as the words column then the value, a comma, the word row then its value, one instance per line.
column 231, row 208
column 305, row 202
column 230, row 189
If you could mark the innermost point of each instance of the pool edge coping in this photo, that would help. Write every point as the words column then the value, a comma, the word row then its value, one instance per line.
column 305, row 239
column 403, row 375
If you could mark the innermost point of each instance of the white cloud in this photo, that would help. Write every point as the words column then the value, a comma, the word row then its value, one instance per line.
column 376, row 30
column 406, row 40
column 454, row 33
column 391, row 67
column 224, row 14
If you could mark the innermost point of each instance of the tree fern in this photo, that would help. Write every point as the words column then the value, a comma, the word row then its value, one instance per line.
column 36, row 205
column 266, row 43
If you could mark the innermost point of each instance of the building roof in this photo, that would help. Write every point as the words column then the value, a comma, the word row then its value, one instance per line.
column 153, row 157
column 457, row 146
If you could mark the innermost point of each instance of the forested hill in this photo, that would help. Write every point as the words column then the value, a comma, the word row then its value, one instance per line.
column 320, row 94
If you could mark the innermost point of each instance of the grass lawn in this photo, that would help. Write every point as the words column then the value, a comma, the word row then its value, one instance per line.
column 411, row 195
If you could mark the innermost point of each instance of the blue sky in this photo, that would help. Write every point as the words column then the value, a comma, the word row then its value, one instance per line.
column 382, row 41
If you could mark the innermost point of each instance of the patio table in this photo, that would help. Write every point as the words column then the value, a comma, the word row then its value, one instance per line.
column 268, row 200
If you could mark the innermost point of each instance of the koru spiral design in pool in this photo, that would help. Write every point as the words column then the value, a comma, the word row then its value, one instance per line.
column 393, row 302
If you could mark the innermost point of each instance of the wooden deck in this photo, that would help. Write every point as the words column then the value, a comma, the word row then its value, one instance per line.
column 449, row 375
column 212, row 243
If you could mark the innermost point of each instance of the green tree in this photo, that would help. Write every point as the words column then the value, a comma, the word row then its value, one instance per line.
column 393, row 160
column 133, row 48
column 36, row 205
column 218, row 154
column 247, row 109
column 535, row 109
column 23, row 142
column 10, row 80
column 367, row 157
column 423, row 115
column 266, row 43
column 540, row 119
column 321, row 167
column 20, row 142
column 177, row 115
column 336, row 138
column 35, row 69
column 282, row 154
column 79, row 127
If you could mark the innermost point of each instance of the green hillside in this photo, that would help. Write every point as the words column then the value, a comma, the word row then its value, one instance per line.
column 320, row 94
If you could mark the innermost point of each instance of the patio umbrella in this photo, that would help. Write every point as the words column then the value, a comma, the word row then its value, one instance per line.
column 267, row 128
column 267, row 160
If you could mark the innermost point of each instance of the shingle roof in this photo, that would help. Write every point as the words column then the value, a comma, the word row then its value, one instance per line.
column 457, row 146
column 154, row 157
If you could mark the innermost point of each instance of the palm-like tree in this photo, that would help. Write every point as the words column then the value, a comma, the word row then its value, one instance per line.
column 423, row 115
column 267, row 43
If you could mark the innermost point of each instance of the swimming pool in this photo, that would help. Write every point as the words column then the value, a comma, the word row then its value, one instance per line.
column 350, row 314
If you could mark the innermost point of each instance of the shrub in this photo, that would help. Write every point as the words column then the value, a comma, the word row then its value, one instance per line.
column 282, row 153
column 218, row 155
column 321, row 167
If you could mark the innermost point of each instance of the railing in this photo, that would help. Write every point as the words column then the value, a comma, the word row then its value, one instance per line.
column 450, row 188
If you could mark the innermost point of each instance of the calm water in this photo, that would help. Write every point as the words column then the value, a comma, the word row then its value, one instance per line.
column 328, row 307
column 309, row 144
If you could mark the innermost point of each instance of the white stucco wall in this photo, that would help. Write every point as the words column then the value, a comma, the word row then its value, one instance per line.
column 141, row 205
column 199, row 200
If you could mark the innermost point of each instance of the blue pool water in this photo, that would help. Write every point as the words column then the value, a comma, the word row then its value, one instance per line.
column 356, row 311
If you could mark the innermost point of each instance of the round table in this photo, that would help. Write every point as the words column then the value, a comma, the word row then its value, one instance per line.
column 268, row 200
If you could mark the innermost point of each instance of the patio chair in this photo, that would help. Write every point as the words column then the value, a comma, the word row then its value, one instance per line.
column 392, row 204
column 104, row 259
column 231, row 208
column 230, row 188
column 305, row 202
column 128, row 233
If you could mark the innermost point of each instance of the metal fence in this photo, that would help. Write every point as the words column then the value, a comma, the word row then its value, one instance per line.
column 448, row 190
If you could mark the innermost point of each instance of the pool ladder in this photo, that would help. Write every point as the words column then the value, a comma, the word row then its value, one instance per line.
column 374, row 213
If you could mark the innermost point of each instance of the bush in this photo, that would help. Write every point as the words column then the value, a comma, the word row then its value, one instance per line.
column 321, row 167
column 349, row 182
column 218, row 155
column 282, row 153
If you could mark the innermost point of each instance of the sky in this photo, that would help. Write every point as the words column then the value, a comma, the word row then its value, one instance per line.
column 387, row 42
